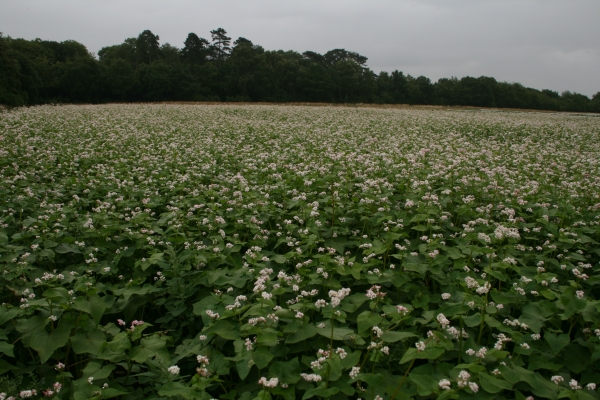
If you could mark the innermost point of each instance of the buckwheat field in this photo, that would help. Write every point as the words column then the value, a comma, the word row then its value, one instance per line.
column 273, row 252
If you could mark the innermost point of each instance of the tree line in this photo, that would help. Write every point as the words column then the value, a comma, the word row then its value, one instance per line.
column 217, row 69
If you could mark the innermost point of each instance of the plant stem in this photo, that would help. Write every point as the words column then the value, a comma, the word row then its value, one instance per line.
column 403, row 379
column 482, row 318
column 460, row 342
column 331, row 337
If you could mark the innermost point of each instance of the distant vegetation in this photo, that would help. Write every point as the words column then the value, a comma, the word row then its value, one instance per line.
column 141, row 69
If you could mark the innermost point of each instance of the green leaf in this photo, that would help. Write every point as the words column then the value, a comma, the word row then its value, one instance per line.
column 454, row 253
column 344, row 386
column 224, row 329
column 338, row 333
column 353, row 302
column 150, row 347
column 93, row 305
column 355, row 270
column 532, row 316
column 111, row 392
column 539, row 386
column 174, row 389
column 493, row 385
column 581, row 395
column 541, row 362
column 263, row 395
column 7, row 349
column 288, row 393
column 504, row 297
column 447, row 394
column 430, row 353
column 419, row 268
column 571, row 302
column 577, row 357
column 287, row 371
column 96, row 370
column 138, row 331
column 279, row 258
column 305, row 331
column 244, row 365
column 367, row 320
column 351, row 359
column 472, row 320
column 373, row 380
column 206, row 303
column 8, row 314
column 36, row 336
column 391, row 337
column 213, row 276
column 267, row 337
column 5, row 366
column 58, row 294
column 556, row 342
column 84, row 391
column 64, row 248
column 422, row 377
column 320, row 392
column 262, row 357
column 115, row 350
column 335, row 368
column 89, row 342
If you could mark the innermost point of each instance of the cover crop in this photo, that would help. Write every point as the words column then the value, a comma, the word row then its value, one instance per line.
column 199, row 252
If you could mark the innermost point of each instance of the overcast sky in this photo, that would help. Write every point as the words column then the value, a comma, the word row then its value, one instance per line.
column 545, row 44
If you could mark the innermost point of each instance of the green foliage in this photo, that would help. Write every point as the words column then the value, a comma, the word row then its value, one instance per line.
column 165, row 251
column 143, row 69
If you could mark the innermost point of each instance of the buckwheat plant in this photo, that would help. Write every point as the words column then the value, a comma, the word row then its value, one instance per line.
column 284, row 252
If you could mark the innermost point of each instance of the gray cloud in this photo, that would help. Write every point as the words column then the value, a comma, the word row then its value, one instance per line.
column 539, row 43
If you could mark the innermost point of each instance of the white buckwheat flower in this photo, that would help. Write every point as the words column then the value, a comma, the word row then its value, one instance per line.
column 445, row 384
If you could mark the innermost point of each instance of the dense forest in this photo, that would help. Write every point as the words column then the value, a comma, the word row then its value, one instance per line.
column 141, row 69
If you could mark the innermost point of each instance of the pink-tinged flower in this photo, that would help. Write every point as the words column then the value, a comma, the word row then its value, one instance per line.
column 402, row 310
column 136, row 323
column 203, row 360
column 463, row 378
column 27, row 393
column 271, row 383
column 574, row 384
column 441, row 318
column 374, row 293
column 445, row 384
column 311, row 377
